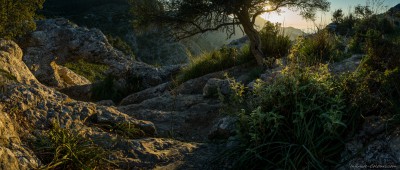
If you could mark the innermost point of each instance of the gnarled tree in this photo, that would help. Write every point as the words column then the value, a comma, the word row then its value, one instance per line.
column 190, row 17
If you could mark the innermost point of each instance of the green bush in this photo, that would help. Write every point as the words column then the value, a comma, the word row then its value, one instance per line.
column 382, row 53
column 214, row 61
column 321, row 47
column 374, row 88
column 274, row 43
column 91, row 71
column 121, row 45
column 359, row 22
column 17, row 17
column 293, row 122
column 62, row 148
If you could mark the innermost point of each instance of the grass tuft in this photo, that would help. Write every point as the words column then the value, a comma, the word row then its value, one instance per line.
column 214, row 61
column 93, row 72
column 63, row 148
column 321, row 47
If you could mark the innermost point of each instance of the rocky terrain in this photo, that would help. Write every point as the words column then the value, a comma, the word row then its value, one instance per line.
column 30, row 102
column 176, row 126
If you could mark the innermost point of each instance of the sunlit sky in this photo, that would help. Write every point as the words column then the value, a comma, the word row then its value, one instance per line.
column 293, row 19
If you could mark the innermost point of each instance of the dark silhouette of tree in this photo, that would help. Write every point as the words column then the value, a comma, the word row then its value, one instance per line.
column 337, row 16
column 17, row 17
column 190, row 17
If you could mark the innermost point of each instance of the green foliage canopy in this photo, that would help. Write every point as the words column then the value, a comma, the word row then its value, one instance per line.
column 16, row 17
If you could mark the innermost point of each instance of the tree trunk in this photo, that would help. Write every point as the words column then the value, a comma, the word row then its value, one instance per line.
column 254, row 36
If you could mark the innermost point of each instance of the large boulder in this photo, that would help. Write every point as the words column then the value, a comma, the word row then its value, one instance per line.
column 58, row 41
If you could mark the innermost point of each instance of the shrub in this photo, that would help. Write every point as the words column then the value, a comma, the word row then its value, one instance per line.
column 62, row 148
column 293, row 122
column 91, row 71
column 121, row 45
column 321, row 47
column 17, row 17
column 373, row 92
column 214, row 61
column 382, row 53
column 374, row 88
column 274, row 43
column 345, row 27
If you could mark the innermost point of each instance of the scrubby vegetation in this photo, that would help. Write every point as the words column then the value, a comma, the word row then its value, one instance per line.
column 275, row 45
column 91, row 71
column 63, row 148
column 321, row 47
column 214, row 61
column 14, row 24
column 301, row 118
column 121, row 45
column 374, row 88
column 294, row 121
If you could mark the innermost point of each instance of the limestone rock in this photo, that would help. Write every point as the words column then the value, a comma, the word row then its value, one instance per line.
column 106, row 103
column 13, row 154
column 195, row 86
column 373, row 146
column 70, row 78
column 80, row 92
column 60, row 41
column 11, row 66
column 146, row 94
column 347, row 65
column 183, row 116
column 28, row 109
column 216, row 87
column 223, row 129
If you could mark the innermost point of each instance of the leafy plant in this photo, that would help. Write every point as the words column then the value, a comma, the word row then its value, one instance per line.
column 294, row 122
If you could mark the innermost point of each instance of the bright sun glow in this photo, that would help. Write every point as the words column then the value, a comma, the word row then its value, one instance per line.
column 289, row 18
column 273, row 17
